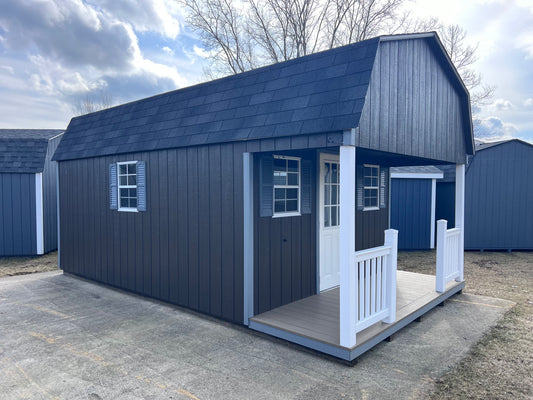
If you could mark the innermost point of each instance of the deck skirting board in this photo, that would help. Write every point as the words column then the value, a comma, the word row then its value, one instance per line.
column 358, row 350
column 351, row 354
column 339, row 352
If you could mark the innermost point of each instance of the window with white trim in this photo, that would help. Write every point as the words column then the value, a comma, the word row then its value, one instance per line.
column 286, row 186
column 127, row 186
column 370, row 187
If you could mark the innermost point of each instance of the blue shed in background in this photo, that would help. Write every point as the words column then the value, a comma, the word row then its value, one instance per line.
column 499, row 189
column 28, row 191
column 413, row 198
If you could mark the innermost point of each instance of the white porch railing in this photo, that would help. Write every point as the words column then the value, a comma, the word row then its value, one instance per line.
column 449, row 255
column 376, row 281
column 374, row 286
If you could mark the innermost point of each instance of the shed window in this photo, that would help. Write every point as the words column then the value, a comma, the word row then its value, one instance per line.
column 286, row 186
column 371, row 187
column 127, row 186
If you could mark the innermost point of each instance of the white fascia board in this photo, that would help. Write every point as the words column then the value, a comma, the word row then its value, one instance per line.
column 417, row 175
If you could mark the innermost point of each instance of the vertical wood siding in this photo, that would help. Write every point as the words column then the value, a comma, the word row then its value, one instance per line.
column 284, row 252
column 411, row 106
column 411, row 212
column 50, row 197
column 17, row 215
column 370, row 227
column 445, row 202
column 499, row 189
column 186, row 248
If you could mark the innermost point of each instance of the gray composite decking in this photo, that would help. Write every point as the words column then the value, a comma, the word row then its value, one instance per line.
column 314, row 321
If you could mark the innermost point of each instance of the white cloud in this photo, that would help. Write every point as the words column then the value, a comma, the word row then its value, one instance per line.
column 528, row 103
column 494, row 127
column 168, row 50
column 60, row 50
column 203, row 53
column 524, row 42
column 8, row 69
column 502, row 104
column 161, row 16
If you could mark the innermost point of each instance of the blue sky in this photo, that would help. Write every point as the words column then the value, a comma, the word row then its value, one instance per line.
column 53, row 52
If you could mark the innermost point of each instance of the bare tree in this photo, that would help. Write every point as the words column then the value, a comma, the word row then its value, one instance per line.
column 463, row 57
column 93, row 102
column 245, row 34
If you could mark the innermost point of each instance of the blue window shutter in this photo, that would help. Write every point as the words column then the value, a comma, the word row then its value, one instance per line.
column 383, row 175
column 359, row 187
column 306, row 199
column 266, row 195
column 113, row 191
column 141, row 186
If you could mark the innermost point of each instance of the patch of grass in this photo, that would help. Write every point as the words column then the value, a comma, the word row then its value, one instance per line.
column 500, row 366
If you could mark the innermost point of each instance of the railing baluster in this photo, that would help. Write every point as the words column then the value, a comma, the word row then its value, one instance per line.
column 378, row 283
column 367, row 287
column 361, row 291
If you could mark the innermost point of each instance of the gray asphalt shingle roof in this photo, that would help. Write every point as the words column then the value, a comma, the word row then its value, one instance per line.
column 24, row 150
column 322, row 92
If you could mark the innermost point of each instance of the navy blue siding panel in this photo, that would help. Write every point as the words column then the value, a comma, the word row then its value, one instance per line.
column 17, row 215
column 50, row 197
column 412, row 106
column 284, row 250
column 185, row 249
column 411, row 212
column 498, row 212
column 445, row 202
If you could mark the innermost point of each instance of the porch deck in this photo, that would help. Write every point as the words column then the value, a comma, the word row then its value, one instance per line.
column 314, row 321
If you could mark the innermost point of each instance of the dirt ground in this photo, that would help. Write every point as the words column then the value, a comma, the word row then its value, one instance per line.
column 10, row 266
column 500, row 366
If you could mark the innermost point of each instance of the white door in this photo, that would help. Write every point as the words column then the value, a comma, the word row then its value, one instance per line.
column 329, row 221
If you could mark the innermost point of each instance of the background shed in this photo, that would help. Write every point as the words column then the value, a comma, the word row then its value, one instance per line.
column 28, row 191
column 499, row 189
column 413, row 198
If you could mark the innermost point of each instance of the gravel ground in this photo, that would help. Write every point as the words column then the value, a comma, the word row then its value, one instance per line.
column 10, row 266
column 500, row 366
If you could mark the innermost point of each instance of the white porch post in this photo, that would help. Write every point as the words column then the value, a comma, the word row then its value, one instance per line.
column 348, row 287
column 460, row 215
column 442, row 226
column 391, row 239
column 433, row 205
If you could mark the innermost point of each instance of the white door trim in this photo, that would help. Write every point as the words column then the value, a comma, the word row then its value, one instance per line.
column 334, row 158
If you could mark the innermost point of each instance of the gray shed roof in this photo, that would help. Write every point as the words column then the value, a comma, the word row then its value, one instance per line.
column 319, row 93
column 322, row 92
column 24, row 150
column 486, row 145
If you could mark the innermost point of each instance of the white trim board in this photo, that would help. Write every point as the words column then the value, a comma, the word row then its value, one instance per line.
column 416, row 175
column 433, row 207
column 248, row 238
column 39, row 211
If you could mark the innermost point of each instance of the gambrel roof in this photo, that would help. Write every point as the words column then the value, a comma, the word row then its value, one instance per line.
column 24, row 150
column 319, row 93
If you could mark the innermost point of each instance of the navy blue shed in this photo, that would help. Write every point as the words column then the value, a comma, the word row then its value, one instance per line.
column 413, row 202
column 499, row 189
column 28, row 191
